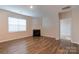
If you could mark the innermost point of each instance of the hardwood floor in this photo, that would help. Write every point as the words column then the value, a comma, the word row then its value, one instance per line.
column 38, row 45
column 69, row 48
column 31, row 45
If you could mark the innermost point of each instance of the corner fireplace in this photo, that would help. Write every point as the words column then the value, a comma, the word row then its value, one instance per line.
column 36, row 32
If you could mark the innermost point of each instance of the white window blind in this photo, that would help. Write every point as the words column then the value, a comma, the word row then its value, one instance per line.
column 16, row 24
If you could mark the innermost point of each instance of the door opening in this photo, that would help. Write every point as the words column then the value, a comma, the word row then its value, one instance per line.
column 65, row 30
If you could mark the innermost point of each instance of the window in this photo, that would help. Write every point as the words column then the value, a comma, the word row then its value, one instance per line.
column 16, row 25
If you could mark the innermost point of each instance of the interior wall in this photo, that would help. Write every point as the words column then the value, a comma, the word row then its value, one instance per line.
column 75, row 25
column 37, row 23
column 5, row 35
column 50, row 26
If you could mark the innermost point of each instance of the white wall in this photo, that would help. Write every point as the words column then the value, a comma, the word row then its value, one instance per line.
column 5, row 35
column 50, row 26
column 37, row 23
column 75, row 25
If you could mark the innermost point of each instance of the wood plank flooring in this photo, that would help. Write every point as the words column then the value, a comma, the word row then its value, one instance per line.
column 38, row 45
column 31, row 45
column 69, row 47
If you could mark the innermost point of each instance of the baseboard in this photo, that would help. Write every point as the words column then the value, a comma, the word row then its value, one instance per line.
column 50, row 37
column 6, row 40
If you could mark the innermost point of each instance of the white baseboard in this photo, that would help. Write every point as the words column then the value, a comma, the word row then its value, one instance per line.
column 5, row 40
column 51, row 37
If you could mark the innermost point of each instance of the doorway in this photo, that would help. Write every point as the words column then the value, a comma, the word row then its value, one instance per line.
column 65, row 25
column 65, row 30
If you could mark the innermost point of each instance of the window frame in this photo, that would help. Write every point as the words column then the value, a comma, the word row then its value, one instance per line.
column 18, row 25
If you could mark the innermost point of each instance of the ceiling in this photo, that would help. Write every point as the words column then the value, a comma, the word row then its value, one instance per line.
column 36, row 11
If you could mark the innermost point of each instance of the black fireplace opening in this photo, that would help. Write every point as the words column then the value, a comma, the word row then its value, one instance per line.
column 36, row 33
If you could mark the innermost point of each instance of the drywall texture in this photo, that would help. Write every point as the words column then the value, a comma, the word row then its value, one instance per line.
column 5, row 35
column 75, row 25
column 50, row 26
column 37, row 23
